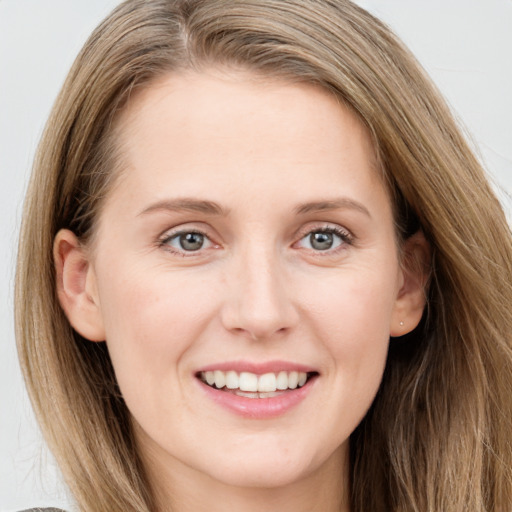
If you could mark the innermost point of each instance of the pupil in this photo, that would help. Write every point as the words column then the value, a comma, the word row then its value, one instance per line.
column 321, row 241
column 191, row 241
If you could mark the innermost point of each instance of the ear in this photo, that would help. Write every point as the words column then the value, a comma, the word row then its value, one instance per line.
column 411, row 297
column 76, row 286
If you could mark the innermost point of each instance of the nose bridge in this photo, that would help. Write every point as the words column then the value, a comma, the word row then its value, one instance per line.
column 259, row 303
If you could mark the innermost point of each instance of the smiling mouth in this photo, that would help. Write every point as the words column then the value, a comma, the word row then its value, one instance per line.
column 251, row 385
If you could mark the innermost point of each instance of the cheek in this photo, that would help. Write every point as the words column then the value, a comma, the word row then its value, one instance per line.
column 150, row 322
column 350, row 303
column 351, row 314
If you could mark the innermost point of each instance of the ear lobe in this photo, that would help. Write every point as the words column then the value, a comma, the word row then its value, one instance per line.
column 76, row 286
column 411, row 298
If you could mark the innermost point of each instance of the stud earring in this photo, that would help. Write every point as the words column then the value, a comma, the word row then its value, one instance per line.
column 401, row 323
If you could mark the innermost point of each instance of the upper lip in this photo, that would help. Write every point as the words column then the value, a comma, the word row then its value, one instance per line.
column 259, row 368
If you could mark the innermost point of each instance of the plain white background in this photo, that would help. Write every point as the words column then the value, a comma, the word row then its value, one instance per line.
column 465, row 45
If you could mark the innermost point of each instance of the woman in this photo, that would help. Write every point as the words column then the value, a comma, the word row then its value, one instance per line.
column 235, row 206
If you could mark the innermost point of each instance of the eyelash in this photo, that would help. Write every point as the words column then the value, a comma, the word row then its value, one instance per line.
column 165, row 240
column 345, row 237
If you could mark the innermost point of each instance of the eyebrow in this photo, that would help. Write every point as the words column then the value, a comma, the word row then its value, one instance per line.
column 332, row 204
column 213, row 208
column 187, row 204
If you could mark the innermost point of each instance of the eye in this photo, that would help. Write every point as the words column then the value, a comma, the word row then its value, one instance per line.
column 187, row 241
column 325, row 239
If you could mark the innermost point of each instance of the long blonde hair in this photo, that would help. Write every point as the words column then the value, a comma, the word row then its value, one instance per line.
column 438, row 436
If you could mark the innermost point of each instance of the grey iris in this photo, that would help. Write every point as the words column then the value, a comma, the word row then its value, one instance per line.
column 192, row 241
column 321, row 241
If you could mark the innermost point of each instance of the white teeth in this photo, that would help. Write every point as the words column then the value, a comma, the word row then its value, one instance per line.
column 220, row 379
column 210, row 378
column 232, row 380
column 270, row 395
column 248, row 382
column 282, row 381
column 247, row 395
column 257, row 395
column 251, row 383
column 293, row 380
column 267, row 382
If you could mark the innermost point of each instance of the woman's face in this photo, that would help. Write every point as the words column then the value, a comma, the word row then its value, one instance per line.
column 249, row 241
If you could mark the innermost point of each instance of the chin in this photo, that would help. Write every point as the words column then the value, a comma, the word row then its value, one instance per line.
column 263, row 475
column 270, row 467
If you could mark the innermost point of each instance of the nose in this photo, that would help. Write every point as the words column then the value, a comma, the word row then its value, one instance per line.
column 259, row 301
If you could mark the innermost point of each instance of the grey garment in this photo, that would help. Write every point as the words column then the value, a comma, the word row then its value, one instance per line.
column 43, row 510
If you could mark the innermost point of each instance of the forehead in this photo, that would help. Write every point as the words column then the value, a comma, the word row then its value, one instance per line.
column 225, row 125
column 199, row 102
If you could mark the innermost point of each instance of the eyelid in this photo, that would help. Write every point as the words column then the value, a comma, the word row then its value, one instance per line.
column 347, row 238
column 312, row 227
column 169, row 234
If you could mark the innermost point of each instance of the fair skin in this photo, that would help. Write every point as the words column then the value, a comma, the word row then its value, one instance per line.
column 249, row 232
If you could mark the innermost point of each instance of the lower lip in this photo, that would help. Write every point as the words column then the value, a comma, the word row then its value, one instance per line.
column 259, row 408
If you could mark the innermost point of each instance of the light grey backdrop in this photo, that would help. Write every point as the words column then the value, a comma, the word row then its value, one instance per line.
column 466, row 46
